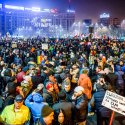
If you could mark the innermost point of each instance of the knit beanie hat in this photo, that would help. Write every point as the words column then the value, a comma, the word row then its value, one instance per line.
column 79, row 88
column 46, row 111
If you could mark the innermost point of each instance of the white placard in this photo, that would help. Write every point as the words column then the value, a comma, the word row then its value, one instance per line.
column 14, row 45
column 114, row 102
column 45, row 46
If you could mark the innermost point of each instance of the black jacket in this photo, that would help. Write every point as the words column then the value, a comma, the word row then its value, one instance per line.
column 68, row 95
column 68, row 109
column 112, row 79
column 50, row 98
column 81, row 105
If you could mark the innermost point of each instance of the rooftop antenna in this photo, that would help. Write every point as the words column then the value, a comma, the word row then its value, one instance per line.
column 69, row 4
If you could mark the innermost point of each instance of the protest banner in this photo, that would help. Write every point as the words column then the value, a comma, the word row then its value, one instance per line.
column 114, row 102
column 45, row 46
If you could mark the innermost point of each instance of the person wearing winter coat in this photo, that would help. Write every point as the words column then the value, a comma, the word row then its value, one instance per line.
column 49, row 94
column 92, row 61
column 32, row 62
column 47, row 116
column 120, row 81
column 103, row 113
column 7, row 77
column 74, row 72
column 21, row 74
column 67, row 90
column 80, row 100
column 15, row 114
column 17, row 60
column 9, row 94
column 55, row 84
column 67, row 107
column 26, row 85
column 85, row 82
column 35, row 101
column 59, row 117
column 111, row 78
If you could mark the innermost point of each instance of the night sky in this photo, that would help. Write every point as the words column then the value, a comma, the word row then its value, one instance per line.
column 84, row 8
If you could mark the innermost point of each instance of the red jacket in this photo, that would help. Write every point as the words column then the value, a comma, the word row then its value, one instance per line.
column 85, row 82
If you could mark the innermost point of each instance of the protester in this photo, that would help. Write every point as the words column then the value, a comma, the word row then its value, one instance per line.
column 120, row 81
column 35, row 101
column 85, row 82
column 80, row 101
column 59, row 117
column 67, row 107
column 67, row 90
column 103, row 113
column 47, row 116
column 50, row 95
column 14, row 114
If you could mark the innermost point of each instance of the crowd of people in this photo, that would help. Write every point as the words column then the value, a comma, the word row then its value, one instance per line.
column 64, row 86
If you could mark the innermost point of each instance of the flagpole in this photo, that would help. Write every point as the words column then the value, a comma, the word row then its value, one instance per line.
column 112, row 117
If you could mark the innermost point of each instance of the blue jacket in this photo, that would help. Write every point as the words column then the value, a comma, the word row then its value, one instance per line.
column 17, row 61
column 123, row 68
column 35, row 104
column 98, row 98
column 96, row 101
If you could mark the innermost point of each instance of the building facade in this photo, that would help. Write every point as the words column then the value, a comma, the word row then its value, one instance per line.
column 104, row 19
column 18, row 17
column 115, row 22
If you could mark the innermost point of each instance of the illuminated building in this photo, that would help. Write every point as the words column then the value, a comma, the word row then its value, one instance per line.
column 115, row 22
column 13, row 17
column 104, row 19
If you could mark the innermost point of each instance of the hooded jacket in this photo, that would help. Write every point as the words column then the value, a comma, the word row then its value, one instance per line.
column 35, row 104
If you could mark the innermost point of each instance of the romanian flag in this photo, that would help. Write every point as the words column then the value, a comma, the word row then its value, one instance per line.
column 39, row 59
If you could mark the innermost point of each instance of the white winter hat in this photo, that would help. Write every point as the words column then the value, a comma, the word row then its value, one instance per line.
column 79, row 88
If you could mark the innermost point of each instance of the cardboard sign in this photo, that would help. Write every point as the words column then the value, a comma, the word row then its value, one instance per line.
column 14, row 45
column 45, row 46
column 114, row 102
